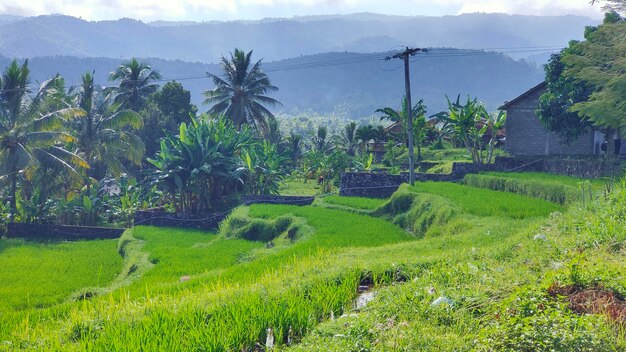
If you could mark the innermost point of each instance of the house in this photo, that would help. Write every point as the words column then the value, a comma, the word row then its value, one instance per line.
column 526, row 135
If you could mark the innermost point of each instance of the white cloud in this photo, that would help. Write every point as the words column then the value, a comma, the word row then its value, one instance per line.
column 148, row 10
column 527, row 7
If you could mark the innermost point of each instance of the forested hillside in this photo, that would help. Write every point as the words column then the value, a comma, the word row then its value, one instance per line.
column 347, row 84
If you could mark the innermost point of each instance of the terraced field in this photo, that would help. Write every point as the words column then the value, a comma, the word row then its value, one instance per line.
column 442, row 267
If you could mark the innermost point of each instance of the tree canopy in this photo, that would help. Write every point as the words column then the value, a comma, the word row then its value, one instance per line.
column 598, row 62
column 555, row 104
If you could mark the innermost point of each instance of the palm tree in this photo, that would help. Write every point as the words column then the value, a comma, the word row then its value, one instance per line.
column 136, row 83
column 419, row 121
column 104, row 134
column 348, row 138
column 241, row 95
column 294, row 147
column 31, row 134
column 320, row 141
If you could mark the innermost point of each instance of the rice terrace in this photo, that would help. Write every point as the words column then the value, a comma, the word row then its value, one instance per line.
column 156, row 199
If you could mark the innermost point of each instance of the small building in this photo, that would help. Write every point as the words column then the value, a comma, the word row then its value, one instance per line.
column 526, row 135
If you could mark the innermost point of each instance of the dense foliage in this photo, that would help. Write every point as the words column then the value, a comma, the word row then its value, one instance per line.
column 561, row 94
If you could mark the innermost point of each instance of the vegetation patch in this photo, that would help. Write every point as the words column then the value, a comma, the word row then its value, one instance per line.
column 358, row 203
column 240, row 225
column 486, row 202
column 416, row 212
column 536, row 322
column 43, row 274
column 550, row 191
column 442, row 168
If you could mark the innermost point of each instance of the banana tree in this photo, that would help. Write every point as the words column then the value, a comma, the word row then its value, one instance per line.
column 463, row 121
column 266, row 168
column 202, row 167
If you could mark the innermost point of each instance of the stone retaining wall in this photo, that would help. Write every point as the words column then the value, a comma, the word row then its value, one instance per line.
column 209, row 221
column 167, row 219
column 384, row 185
column 60, row 232
column 290, row 200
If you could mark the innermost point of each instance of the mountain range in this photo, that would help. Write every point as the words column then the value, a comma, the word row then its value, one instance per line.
column 276, row 39
column 322, row 64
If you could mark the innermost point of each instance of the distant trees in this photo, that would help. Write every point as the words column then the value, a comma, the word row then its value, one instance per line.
column 165, row 110
column 241, row 94
column 348, row 138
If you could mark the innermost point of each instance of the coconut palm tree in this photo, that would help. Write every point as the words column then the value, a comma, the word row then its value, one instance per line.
column 242, row 93
column 294, row 147
column 105, row 135
column 31, row 134
column 348, row 138
column 136, row 83
column 320, row 141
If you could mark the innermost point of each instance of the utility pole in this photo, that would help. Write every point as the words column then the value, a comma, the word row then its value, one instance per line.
column 408, row 52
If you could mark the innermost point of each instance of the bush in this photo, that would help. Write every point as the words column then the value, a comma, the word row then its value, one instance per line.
column 553, row 192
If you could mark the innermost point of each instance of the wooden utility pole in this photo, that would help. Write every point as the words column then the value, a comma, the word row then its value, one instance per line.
column 408, row 52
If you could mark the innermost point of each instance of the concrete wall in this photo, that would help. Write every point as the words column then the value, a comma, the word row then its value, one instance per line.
column 525, row 135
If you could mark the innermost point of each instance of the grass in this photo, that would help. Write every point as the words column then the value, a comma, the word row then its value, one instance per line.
column 182, row 252
column 36, row 275
column 447, row 154
column 492, row 254
column 486, row 202
column 598, row 183
column 554, row 188
column 355, row 202
column 295, row 186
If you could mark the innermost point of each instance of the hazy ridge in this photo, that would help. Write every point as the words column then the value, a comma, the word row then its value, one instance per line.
column 353, row 90
column 276, row 39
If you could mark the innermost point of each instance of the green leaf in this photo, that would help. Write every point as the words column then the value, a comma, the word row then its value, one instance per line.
column 87, row 204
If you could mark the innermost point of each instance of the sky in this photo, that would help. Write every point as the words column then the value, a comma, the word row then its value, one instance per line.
column 209, row 10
